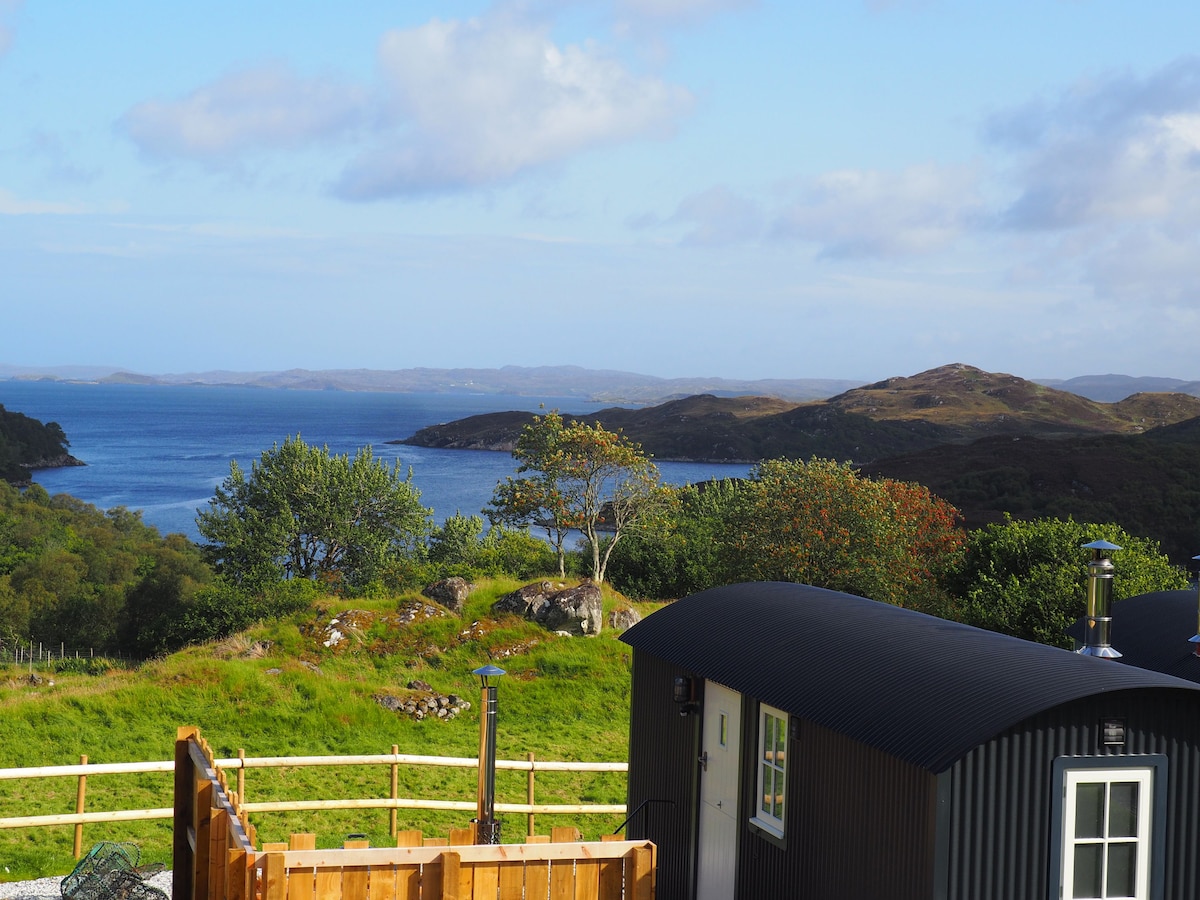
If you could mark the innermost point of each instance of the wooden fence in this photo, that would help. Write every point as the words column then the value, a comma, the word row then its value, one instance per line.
column 240, row 764
column 215, row 857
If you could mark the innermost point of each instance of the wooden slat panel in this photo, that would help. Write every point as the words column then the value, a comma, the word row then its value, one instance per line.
column 301, row 878
column 640, row 875
column 329, row 883
column 486, row 880
column 512, row 879
column 452, row 881
column 354, row 878
column 381, row 883
column 218, row 836
column 612, row 879
column 436, row 842
column 274, row 877
column 537, row 880
column 462, row 837
column 408, row 838
column 564, row 834
column 275, row 846
column 237, row 875
column 562, row 880
column 538, row 839
column 431, row 880
column 587, row 879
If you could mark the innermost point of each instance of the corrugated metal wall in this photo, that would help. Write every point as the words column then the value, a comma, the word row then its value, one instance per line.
column 1000, row 828
column 860, row 823
column 663, row 749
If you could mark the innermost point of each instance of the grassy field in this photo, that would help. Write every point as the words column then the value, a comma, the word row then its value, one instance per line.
column 276, row 691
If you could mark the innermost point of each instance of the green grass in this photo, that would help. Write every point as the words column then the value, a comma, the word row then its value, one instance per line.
column 563, row 699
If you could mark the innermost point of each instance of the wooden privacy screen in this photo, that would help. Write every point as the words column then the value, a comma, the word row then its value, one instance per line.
column 610, row 870
column 215, row 857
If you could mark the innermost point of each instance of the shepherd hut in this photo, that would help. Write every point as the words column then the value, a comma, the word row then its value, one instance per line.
column 789, row 741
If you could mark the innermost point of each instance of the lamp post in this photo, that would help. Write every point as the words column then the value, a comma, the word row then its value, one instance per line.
column 487, row 829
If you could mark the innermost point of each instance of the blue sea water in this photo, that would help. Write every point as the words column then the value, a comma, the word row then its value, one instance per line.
column 164, row 449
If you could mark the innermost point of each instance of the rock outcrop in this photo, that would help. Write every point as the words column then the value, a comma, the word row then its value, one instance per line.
column 571, row 610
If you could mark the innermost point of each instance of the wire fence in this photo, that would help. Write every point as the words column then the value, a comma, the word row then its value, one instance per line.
column 34, row 655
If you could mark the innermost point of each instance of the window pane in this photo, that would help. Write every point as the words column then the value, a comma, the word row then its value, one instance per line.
column 1088, row 859
column 724, row 737
column 768, row 742
column 1089, row 810
column 780, row 740
column 1122, row 809
column 777, row 811
column 1122, row 869
column 767, row 772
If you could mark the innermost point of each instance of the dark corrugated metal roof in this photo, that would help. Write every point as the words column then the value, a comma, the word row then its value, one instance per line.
column 1152, row 631
column 921, row 688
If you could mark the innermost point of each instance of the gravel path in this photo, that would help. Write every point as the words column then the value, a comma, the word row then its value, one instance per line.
column 48, row 888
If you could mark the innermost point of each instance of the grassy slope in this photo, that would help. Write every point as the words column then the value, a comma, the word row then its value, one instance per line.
column 565, row 698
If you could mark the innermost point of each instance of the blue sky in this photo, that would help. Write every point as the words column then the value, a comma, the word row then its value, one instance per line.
column 853, row 189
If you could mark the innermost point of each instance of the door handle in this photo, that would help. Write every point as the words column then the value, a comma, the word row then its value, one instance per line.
column 704, row 761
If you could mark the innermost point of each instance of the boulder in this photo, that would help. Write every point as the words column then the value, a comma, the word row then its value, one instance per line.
column 575, row 611
column 452, row 593
column 625, row 617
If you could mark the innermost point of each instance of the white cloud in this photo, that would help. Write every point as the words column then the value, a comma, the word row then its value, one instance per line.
column 1112, row 150
column 860, row 213
column 268, row 107
column 474, row 103
column 11, row 205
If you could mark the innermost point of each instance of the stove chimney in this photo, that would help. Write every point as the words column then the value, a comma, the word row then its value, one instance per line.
column 1098, row 621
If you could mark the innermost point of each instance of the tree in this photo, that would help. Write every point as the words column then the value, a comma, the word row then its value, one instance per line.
column 1029, row 578
column 822, row 523
column 305, row 513
column 582, row 477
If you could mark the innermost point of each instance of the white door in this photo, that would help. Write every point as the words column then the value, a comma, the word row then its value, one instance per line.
column 721, row 730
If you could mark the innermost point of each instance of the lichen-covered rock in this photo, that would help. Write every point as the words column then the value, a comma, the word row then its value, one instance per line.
column 625, row 617
column 451, row 592
column 575, row 611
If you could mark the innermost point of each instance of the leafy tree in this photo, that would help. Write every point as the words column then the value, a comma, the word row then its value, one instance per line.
column 682, row 546
column 1029, row 578
column 460, row 546
column 820, row 522
column 302, row 512
column 582, row 477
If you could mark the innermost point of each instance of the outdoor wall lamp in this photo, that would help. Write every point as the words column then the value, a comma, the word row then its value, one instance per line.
column 487, row 829
column 684, row 694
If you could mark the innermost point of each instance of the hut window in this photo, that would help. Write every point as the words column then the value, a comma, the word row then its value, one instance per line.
column 772, row 769
column 1106, row 822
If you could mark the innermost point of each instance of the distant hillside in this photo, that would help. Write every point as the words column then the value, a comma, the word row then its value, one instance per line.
column 953, row 404
column 26, row 443
column 594, row 385
column 1111, row 388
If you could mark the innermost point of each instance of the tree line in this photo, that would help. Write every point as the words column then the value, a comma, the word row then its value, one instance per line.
column 303, row 522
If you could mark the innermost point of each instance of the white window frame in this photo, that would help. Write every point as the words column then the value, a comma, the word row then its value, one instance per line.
column 1149, row 773
column 771, row 762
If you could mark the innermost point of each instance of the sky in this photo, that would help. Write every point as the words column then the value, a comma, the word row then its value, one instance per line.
column 855, row 189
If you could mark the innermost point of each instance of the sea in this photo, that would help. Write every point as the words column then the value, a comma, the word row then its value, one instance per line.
column 163, row 449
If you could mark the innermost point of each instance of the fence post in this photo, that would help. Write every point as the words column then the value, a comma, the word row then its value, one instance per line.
column 241, row 779
column 395, row 790
column 529, row 796
column 80, row 797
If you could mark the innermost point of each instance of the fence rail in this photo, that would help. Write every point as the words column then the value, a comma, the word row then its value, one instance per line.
column 239, row 764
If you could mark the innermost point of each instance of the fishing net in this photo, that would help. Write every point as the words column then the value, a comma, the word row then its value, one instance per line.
column 110, row 871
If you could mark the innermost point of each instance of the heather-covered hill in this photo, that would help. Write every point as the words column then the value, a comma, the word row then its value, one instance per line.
column 952, row 404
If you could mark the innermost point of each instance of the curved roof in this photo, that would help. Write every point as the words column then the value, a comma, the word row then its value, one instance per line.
column 923, row 689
